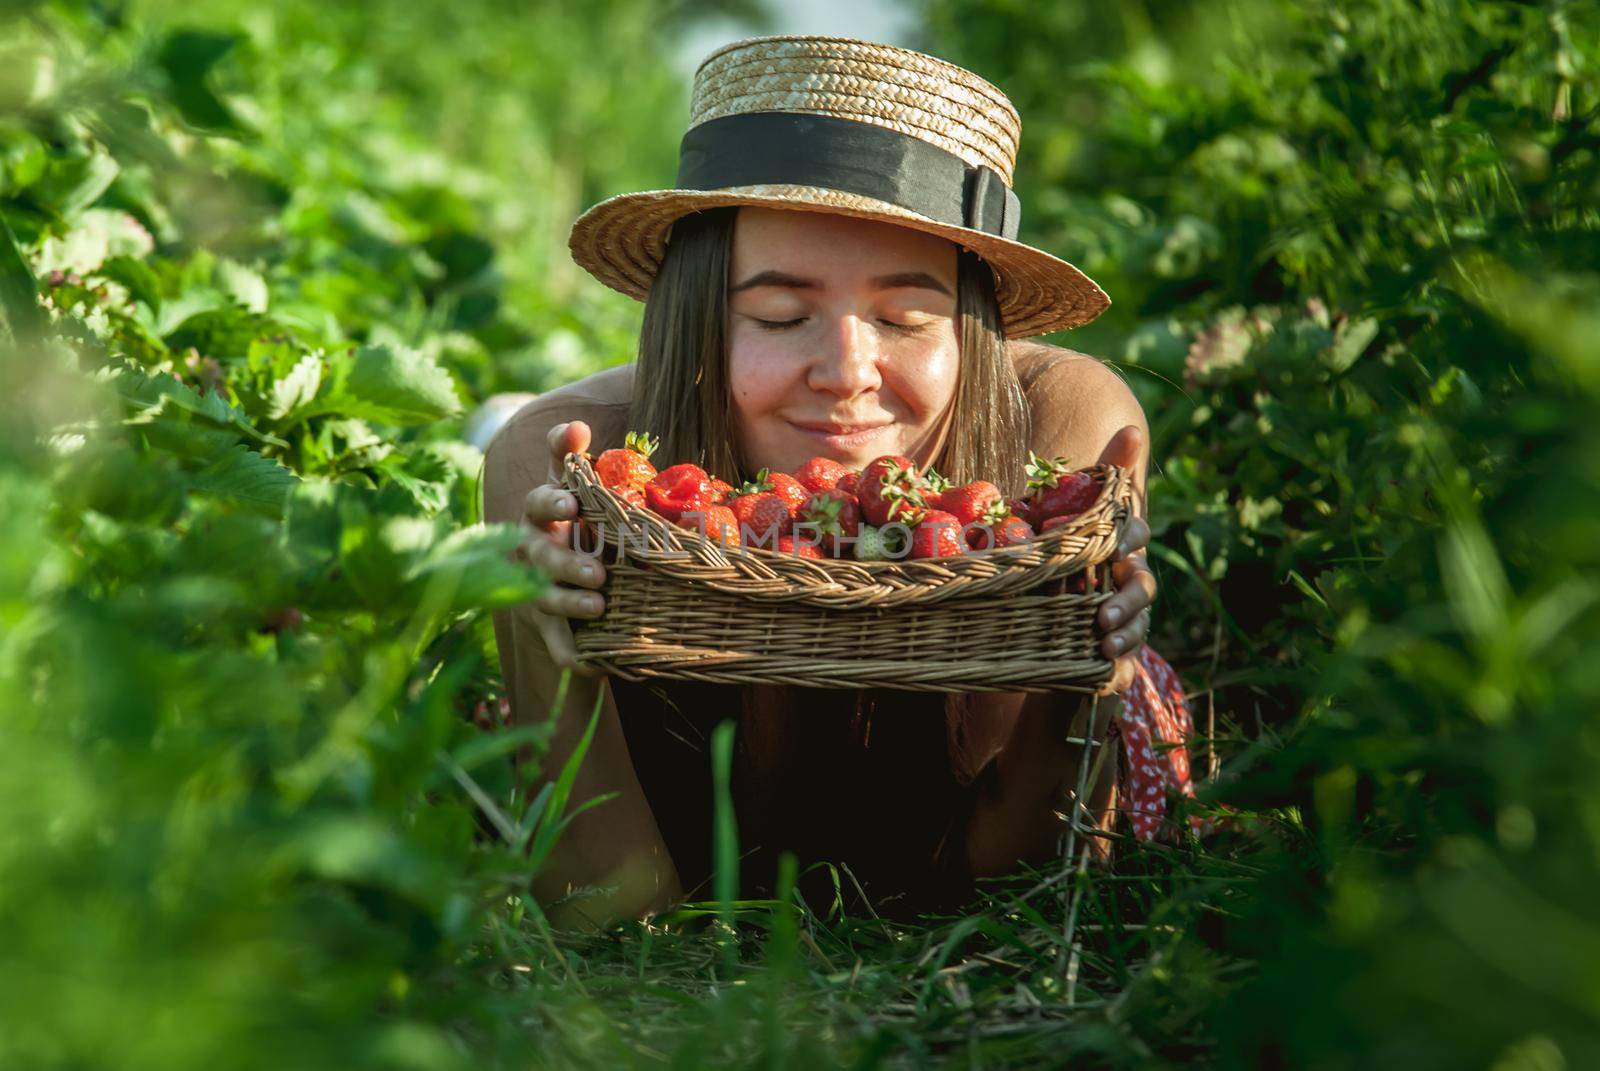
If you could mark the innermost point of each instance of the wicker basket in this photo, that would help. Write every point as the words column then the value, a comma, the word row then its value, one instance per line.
column 685, row 607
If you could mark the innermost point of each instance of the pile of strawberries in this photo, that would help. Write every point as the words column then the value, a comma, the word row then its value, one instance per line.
column 888, row 510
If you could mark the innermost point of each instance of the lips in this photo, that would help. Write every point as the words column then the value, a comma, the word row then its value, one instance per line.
column 839, row 428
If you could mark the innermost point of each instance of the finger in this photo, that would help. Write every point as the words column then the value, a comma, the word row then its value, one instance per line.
column 548, row 504
column 1135, row 536
column 1123, row 568
column 1126, row 640
column 1122, row 674
column 569, row 438
column 1125, row 448
column 558, row 642
column 558, row 601
column 1138, row 592
column 566, row 566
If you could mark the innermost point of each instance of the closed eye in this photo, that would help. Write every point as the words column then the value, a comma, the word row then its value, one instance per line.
column 784, row 325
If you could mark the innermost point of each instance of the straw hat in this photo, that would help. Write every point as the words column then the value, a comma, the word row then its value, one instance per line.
column 832, row 124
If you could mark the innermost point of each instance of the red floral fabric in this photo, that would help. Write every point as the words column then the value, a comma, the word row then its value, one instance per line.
column 1155, row 726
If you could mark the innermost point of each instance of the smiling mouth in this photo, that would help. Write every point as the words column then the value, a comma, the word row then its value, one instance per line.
column 839, row 430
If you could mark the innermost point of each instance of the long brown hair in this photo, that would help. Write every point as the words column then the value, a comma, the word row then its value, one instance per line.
column 680, row 381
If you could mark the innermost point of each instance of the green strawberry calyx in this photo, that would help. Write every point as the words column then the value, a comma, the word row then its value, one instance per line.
column 640, row 443
column 1045, row 472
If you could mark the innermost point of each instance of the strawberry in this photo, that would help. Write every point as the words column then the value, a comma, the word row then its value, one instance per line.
column 819, row 474
column 674, row 473
column 1021, row 507
column 1001, row 528
column 1011, row 531
column 891, row 490
column 627, row 468
column 721, row 490
column 1057, row 522
column 880, row 544
column 762, row 514
column 849, row 482
column 786, row 487
column 937, row 535
column 970, row 502
column 718, row 524
column 1055, row 490
column 798, row 548
column 1075, row 493
column 835, row 515
column 633, row 497
column 677, row 490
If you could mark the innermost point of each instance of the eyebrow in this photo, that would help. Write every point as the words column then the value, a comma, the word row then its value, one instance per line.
column 882, row 282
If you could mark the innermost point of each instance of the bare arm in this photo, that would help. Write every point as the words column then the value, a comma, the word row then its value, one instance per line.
column 617, row 843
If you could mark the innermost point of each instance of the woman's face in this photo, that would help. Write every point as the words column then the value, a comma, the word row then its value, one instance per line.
column 841, row 338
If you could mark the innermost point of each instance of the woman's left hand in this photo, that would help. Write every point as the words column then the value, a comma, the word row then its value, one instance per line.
column 1125, row 617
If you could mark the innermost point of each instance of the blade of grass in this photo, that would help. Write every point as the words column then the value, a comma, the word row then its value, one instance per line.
column 724, row 829
column 551, row 823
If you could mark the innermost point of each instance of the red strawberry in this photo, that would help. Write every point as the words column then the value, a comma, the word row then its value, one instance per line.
column 721, row 489
column 938, row 535
column 761, row 513
column 849, row 482
column 1057, row 522
column 1001, row 528
column 834, row 514
column 717, row 523
column 1076, row 493
column 673, row 473
column 1055, row 490
column 819, row 474
column 891, row 490
column 634, row 498
column 798, row 548
column 786, row 487
column 1011, row 531
column 628, row 468
column 679, row 489
column 969, row 503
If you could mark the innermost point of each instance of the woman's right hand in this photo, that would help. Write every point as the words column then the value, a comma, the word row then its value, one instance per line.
column 575, row 578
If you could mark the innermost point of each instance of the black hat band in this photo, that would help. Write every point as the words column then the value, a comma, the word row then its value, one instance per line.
column 796, row 149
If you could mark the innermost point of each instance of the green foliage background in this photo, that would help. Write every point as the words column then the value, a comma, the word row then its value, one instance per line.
column 260, row 262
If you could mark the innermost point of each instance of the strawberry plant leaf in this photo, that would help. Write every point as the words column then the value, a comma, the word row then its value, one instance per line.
column 247, row 478
column 388, row 385
column 476, row 563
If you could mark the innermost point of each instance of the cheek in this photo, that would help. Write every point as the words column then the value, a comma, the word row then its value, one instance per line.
column 925, row 382
column 762, row 378
column 759, row 376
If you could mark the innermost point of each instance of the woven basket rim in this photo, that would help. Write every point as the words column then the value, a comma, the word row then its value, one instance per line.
column 1090, row 538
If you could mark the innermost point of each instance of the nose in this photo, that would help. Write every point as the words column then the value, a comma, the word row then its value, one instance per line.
column 847, row 363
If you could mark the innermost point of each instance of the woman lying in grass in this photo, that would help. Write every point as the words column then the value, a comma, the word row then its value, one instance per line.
column 836, row 276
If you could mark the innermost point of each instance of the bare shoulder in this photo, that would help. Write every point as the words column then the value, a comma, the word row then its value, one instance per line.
column 1077, row 401
column 517, row 459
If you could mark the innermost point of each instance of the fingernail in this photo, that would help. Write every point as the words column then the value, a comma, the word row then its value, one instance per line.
column 569, row 504
column 1116, row 643
column 1114, row 614
column 597, row 604
column 588, row 572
